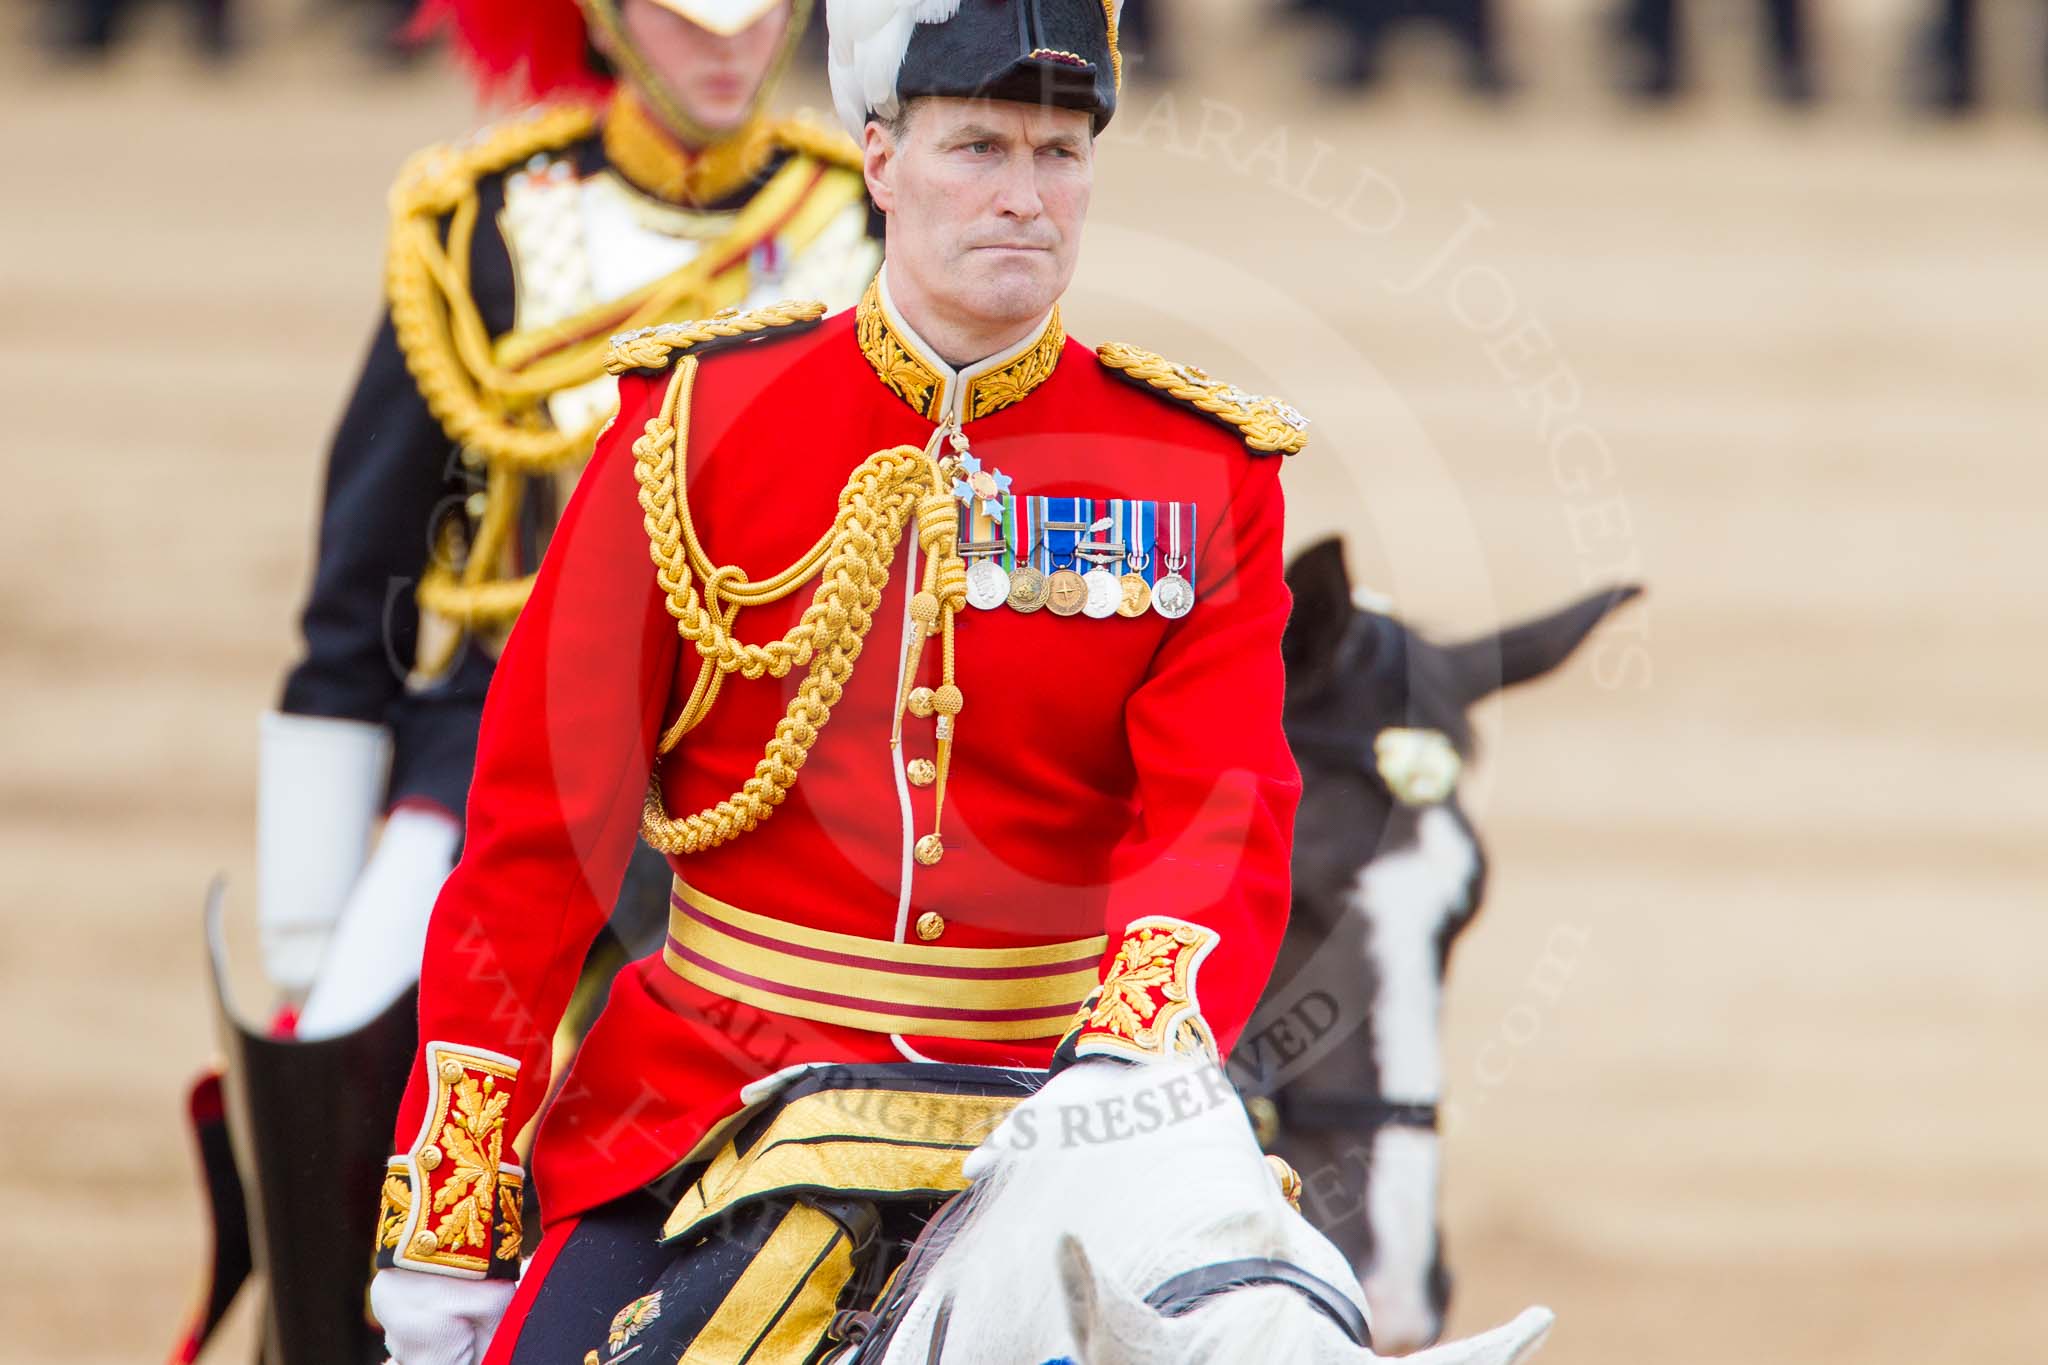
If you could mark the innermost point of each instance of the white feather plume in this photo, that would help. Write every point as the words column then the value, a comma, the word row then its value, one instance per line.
column 868, row 40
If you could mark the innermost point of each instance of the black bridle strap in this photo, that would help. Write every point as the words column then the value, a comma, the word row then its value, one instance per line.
column 1353, row 1113
column 1186, row 1292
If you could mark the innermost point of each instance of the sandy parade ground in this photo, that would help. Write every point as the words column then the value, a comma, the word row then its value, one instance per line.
column 1783, row 821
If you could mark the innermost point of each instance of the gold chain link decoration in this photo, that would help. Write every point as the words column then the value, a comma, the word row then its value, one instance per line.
column 879, row 500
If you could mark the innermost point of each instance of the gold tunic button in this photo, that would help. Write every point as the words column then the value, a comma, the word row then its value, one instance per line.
column 430, row 1157
column 451, row 1071
column 930, row 925
column 929, row 849
column 922, row 772
column 426, row 1244
column 920, row 701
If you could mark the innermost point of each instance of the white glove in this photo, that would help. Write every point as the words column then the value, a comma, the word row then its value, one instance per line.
column 375, row 951
column 320, row 786
column 437, row 1319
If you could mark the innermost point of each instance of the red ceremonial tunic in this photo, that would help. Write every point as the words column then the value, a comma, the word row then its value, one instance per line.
column 1104, row 770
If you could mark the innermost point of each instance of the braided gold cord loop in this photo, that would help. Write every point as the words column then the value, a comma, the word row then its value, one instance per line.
column 488, row 394
column 438, row 328
column 852, row 561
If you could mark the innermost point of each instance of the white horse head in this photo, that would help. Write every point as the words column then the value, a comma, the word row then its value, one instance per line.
column 1106, row 1185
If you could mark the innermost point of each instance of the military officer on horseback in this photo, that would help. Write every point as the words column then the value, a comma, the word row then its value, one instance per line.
column 646, row 185
column 940, row 655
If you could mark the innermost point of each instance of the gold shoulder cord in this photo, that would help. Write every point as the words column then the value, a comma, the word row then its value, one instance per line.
column 853, row 557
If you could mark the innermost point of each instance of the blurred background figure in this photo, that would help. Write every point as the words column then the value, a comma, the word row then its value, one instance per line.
column 1651, row 34
column 90, row 28
column 1947, row 74
column 1143, row 39
column 1366, row 23
column 383, row 26
column 1948, row 78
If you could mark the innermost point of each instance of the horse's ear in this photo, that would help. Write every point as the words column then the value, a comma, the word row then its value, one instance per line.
column 1109, row 1326
column 1504, row 1345
column 1322, row 608
column 1533, row 648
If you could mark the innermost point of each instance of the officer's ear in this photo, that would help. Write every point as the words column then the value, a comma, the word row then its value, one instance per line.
column 878, row 153
column 882, row 143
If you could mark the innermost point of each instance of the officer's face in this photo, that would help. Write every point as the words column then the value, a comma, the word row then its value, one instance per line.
column 712, row 76
column 985, row 200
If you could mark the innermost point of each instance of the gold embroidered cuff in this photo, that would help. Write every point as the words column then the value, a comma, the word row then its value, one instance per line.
column 1147, row 1006
column 450, row 1205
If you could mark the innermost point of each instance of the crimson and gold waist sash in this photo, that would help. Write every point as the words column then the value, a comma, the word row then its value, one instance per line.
column 878, row 984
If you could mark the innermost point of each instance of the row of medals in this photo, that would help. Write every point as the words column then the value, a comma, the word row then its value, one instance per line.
column 1066, row 592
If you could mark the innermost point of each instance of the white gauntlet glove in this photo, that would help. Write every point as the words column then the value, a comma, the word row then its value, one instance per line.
column 437, row 1319
column 320, row 789
column 375, row 949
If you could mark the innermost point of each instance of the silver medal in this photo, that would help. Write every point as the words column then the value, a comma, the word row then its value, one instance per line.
column 988, row 586
column 1105, row 592
column 1173, row 596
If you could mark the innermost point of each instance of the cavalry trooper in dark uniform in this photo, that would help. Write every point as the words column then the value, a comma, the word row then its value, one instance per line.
column 940, row 654
column 646, row 185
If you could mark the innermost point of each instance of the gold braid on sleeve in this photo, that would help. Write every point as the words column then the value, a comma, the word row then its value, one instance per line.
column 851, row 561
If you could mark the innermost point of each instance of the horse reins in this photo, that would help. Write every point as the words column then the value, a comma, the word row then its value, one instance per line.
column 1350, row 1113
column 1189, row 1290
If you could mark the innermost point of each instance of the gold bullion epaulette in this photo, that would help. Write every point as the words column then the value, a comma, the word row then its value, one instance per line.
column 816, row 141
column 1267, row 424
column 651, row 348
column 435, row 180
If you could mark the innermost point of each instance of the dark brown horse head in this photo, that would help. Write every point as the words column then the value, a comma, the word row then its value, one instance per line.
column 1387, row 872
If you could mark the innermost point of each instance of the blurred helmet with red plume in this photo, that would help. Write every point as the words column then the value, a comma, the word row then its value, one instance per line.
column 578, row 49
